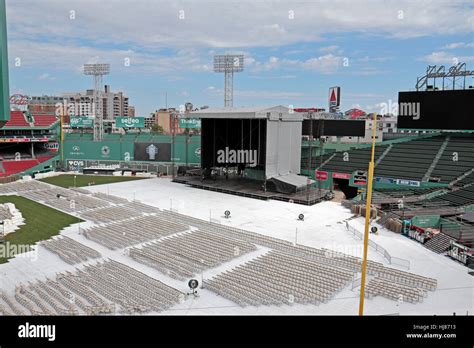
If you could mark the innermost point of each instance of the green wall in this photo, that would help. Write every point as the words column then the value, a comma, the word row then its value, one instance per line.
column 122, row 149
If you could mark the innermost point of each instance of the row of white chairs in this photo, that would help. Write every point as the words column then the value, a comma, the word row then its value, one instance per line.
column 110, row 198
column 70, row 250
column 186, row 254
column 393, row 291
column 133, row 291
column 22, row 185
column 277, row 278
column 110, row 214
column 133, row 231
column 10, row 304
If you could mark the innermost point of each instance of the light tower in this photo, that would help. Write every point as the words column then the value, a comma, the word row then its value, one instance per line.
column 228, row 64
column 97, row 70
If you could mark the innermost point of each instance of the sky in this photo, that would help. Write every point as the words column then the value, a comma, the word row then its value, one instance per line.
column 294, row 51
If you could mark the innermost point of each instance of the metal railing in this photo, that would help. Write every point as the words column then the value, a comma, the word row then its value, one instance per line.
column 390, row 259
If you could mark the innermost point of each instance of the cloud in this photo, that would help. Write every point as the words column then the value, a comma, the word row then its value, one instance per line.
column 46, row 76
column 442, row 57
column 166, row 24
column 323, row 64
column 260, row 94
column 72, row 57
column 330, row 49
column 456, row 45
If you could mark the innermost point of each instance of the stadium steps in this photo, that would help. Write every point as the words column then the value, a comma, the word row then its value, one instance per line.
column 448, row 169
column 427, row 175
column 460, row 180
column 326, row 161
column 439, row 243
column 387, row 150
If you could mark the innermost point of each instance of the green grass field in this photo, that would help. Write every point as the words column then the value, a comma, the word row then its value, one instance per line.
column 41, row 222
column 67, row 180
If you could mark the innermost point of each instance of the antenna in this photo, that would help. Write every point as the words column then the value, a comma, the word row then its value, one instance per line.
column 97, row 70
column 228, row 64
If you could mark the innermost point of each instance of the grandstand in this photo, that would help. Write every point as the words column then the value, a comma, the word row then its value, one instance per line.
column 441, row 158
column 28, row 143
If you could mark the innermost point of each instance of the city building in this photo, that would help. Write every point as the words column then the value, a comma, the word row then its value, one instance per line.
column 114, row 104
column 45, row 104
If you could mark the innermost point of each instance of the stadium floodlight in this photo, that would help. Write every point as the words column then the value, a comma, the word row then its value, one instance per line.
column 228, row 64
column 97, row 70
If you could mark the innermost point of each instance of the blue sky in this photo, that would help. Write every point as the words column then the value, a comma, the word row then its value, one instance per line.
column 295, row 50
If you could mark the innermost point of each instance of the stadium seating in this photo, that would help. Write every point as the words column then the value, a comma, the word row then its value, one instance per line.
column 439, row 243
column 409, row 160
column 44, row 120
column 349, row 161
column 458, row 197
column 16, row 167
column 416, row 159
column 17, row 119
column 460, row 148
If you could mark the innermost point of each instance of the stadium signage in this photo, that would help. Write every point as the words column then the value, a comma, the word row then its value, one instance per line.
column 19, row 99
column 23, row 140
column 189, row 123
column 81, row 122
column 52, row 146
column 341, row 176
column 381, row 180
column 435, row 71
column 334, row 98
column 392, row 181
column 75, row 165
column 321, row 175
column 130, row 122
column 407, row 182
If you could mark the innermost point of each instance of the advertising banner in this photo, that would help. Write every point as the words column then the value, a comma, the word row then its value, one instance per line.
column 81, row 122
column 320, row 175
column 130, row 122
column 189, row 123
column 152, row 152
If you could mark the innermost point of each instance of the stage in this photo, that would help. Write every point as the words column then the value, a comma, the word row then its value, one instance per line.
column 252, row 189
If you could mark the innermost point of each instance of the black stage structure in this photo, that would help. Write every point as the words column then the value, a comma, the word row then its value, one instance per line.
column 266, row 142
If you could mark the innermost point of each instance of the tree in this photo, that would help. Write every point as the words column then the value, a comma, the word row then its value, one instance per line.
column 156, row 128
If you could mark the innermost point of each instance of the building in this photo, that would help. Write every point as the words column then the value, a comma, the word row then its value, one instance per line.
column 44, row 104
column 131, row 111
column 113, row 104
column 164, row 119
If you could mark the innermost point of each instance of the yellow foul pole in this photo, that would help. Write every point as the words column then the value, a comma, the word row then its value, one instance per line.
column 367, row 218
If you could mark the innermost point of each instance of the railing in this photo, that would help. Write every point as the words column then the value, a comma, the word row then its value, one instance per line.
column 390, row 259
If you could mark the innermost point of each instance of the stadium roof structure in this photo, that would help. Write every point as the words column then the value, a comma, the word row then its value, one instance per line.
column 253, row 112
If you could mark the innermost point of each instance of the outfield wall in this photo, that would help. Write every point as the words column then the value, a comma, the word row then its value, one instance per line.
column 154, row 149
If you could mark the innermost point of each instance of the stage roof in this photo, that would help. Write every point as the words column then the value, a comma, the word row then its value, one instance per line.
column 256, row 112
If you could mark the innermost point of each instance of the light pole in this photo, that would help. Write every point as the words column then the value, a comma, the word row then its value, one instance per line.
column 75, row 176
